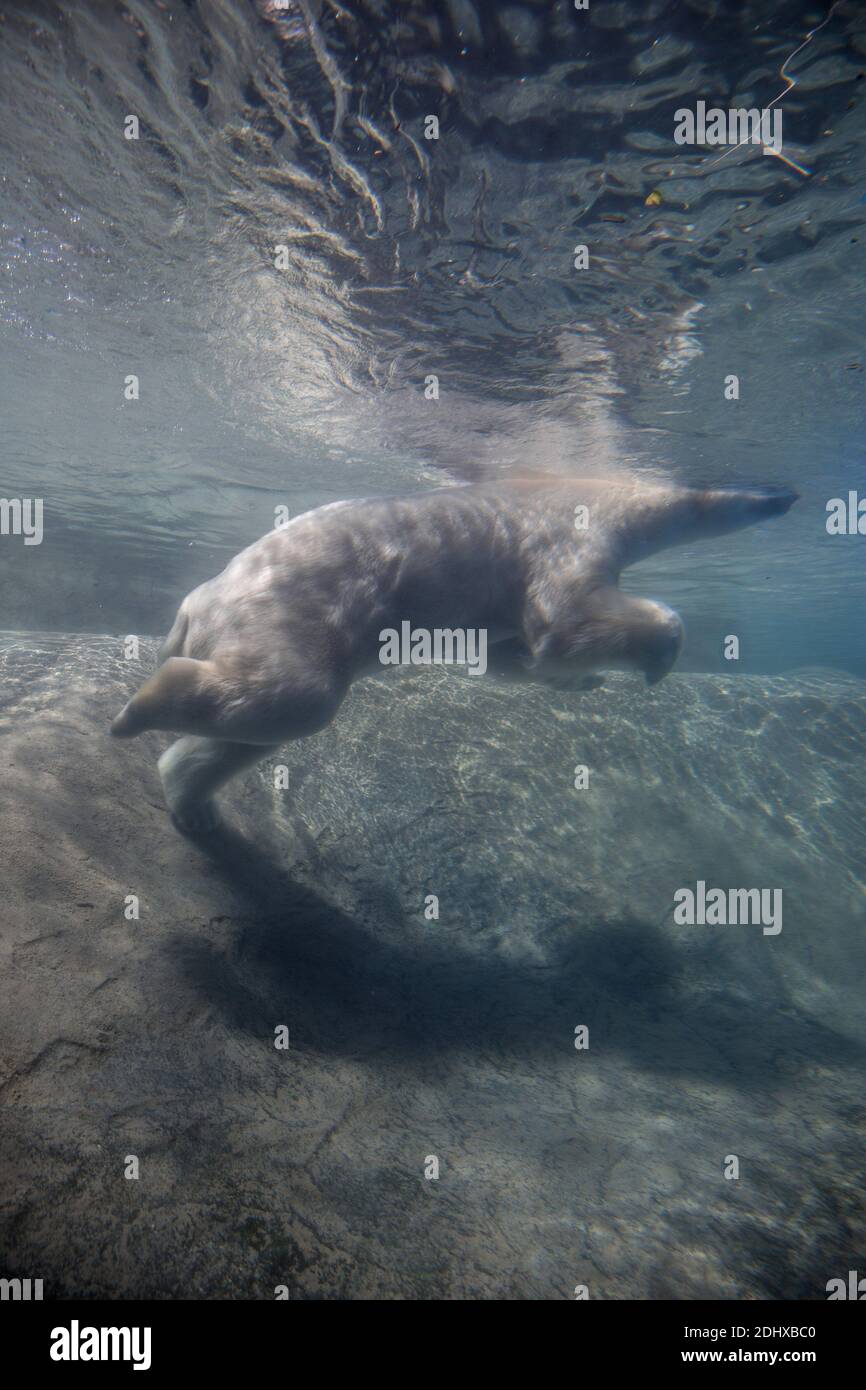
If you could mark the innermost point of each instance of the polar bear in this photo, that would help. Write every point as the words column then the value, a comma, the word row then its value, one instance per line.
column 267, row 650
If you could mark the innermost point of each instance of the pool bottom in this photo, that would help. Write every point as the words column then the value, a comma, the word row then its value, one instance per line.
column 431, row 909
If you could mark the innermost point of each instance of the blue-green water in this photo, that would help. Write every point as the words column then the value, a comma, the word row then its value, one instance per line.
column 261, row 127
column 302, row 126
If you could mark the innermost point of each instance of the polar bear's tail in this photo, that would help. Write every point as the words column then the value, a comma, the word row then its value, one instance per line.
column 174, row 642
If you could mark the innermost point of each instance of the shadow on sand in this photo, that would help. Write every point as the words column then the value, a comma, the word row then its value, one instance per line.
column 352, row 990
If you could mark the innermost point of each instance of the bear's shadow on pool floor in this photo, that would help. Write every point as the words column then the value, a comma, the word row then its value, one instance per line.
column 351, row 991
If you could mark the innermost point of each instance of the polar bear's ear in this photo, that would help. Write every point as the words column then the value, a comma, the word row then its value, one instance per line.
column 180, row 697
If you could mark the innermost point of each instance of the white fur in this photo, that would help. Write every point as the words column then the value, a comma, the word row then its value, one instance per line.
column 267, row 650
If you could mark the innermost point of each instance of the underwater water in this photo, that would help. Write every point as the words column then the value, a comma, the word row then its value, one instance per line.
column 238, row 303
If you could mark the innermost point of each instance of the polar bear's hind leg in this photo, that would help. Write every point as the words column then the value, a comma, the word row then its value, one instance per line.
column 181, row 696
column 193, row 769
column 229, row 720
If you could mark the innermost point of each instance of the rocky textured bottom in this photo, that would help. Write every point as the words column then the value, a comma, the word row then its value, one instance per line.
column 426, row 913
